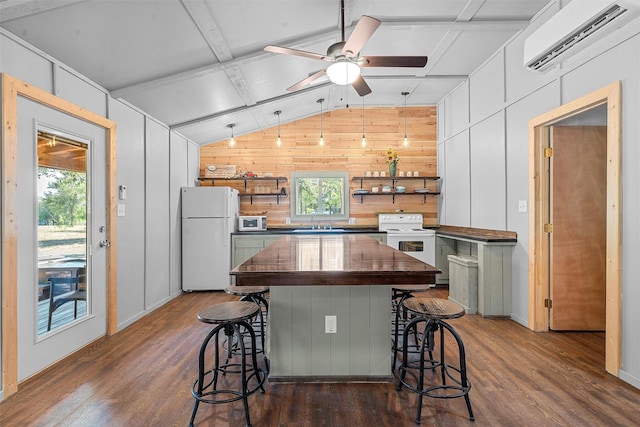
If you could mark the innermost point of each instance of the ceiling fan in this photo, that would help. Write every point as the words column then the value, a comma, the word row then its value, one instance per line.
column 345, row 57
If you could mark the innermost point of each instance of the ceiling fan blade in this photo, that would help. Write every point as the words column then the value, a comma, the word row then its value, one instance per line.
column 363, row 31
column 361, row 86
column 393, row 61
column 296, row 52
column 307, row 81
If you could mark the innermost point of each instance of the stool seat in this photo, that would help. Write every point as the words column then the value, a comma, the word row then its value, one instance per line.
column 227, row 312
column 434, row 308
column 246, row 290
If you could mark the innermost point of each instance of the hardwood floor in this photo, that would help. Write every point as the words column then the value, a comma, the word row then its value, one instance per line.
column 142, row 377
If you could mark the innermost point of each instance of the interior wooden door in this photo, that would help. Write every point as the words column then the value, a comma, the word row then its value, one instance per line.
column 578, row 239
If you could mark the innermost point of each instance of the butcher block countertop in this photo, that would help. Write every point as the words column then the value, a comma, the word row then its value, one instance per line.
column 477, row 234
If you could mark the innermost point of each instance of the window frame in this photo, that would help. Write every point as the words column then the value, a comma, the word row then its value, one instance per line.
column 344, row 175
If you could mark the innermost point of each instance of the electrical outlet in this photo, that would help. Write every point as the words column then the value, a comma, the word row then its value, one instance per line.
column 330, row 324
column 522, row 206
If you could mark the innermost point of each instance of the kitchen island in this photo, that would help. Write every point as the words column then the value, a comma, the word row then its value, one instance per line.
column 314, row 277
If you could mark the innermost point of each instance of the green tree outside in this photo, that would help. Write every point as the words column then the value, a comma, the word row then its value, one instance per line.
column 64, row 202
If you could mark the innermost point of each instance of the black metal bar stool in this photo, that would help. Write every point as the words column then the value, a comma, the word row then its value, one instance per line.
column 453, row 381
column 399, row 293
column 232, row 318
column 258, row 295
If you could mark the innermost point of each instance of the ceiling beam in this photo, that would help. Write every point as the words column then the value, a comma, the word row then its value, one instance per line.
column 210, row 31
column 469, row 11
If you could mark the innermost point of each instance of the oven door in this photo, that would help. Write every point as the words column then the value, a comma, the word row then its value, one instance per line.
column 419, row 245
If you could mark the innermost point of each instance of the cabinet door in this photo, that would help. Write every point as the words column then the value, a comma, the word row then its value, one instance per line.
column 244, row 247
column 444, row 248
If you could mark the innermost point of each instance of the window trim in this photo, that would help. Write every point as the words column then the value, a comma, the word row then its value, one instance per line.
column 344, row 175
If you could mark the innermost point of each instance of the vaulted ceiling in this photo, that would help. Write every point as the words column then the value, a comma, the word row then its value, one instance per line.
column 199, row 65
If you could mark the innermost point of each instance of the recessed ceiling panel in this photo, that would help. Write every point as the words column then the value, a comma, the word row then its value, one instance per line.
column 189, row 99
column 249, row 26
column 460, row 59
column 118, row 43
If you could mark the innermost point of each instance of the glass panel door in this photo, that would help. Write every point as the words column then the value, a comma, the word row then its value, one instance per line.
column 62, row 201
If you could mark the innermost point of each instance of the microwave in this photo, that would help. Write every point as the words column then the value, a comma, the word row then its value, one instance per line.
column 252, row 223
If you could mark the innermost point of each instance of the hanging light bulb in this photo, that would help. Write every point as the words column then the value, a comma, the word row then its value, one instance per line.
column 232, row 140
column 278, row 141
column 320, row 101
column 405, row 141
column 364, row 139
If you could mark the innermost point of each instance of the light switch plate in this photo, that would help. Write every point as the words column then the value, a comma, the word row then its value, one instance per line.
column 121, row 209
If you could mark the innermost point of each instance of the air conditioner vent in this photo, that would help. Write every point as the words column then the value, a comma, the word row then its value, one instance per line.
column 567, row 32
column 577, row 37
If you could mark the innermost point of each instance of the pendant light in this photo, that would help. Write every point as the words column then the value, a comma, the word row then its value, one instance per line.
column 364, row 139
column 232, row 140
column 320, row 101
column 278, row 141
column 405, row 141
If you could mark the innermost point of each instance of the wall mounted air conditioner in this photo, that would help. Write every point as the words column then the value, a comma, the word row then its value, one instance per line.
column 573, row 28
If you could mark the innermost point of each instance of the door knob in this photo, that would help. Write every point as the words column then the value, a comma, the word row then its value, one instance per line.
column 105, row 243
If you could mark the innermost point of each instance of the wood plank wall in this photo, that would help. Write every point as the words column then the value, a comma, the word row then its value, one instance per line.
column 342, row 150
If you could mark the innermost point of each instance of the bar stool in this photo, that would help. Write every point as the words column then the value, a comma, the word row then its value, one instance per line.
column 399, row 293
column 256, row 294
column 232, row 318
column 453, row 381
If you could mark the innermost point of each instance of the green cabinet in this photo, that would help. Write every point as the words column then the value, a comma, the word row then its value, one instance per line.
column 244, row 247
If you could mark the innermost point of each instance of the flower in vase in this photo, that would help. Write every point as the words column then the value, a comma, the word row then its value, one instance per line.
column 391, row 156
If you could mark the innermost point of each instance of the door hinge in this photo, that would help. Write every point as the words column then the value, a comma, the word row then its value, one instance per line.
column 548, row 228
column 548, row 303
column 548, row 152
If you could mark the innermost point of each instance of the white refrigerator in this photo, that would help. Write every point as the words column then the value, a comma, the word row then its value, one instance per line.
column 209, row 216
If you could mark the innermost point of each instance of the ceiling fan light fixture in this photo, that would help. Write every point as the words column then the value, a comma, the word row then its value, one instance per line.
column 343, row 72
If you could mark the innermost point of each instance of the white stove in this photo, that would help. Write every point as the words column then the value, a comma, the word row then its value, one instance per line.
column 405, row 233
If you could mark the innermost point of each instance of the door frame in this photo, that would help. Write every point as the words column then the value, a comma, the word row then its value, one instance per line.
column 11, row 89
column 610, row 95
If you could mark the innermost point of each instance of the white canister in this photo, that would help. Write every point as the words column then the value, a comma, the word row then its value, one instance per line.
column 383, row 173
column 416, row 173
column 375, row 173
column 401, row 173
column 367, row 173
column 408, row 173
column 374, row 189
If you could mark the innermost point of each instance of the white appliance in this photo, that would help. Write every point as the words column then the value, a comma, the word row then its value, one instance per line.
column 573, row 28
column 252, row 223
column 405, row 233
column 209, row 216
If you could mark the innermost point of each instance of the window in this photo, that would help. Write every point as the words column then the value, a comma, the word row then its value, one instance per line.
column 319, row 196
